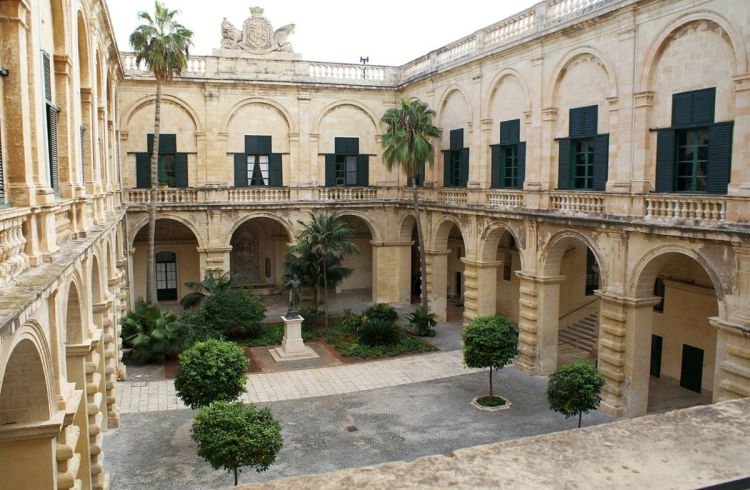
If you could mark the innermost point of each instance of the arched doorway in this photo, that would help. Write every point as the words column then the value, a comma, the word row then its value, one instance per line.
column 447, row 270
column 259, row 248
column 508, row 255
column 358, row 286
column 682, row 344
column 410, row 281
column 177, row 260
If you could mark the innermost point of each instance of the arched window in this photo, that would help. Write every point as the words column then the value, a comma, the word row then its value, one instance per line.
column 166, row 276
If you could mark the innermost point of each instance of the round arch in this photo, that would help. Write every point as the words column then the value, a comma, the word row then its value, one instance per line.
column 262, row 101
column 491, row 240
column 30, row 341
column 374, row 233
column 554, row 251
column 341, row 103
column 658, row 46
column 444, row 100
column 142, row 223
column 60, row 22
column 73, row 298
column 648, row 267
column 97, row 277
column 442, row 231
column 569, row 58
column 149, row 99
column 277, row 219
column 406, row 226
column 502, row 75
column 84, row 55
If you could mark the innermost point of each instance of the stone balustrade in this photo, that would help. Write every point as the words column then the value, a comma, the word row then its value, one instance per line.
column 681, row 208
column 259, row 194
column 163, row 196
column 577, row 202
column 505, row 199
column 64, row 222
column 13, row 259
column 452, row 196
column 347, row 193
column 347, row 72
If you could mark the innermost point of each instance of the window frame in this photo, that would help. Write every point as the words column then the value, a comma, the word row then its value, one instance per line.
column 695, row 162
column 512, row 181
column 346, row 174
column 588, row 166
column 166, row 275
column 258, row 166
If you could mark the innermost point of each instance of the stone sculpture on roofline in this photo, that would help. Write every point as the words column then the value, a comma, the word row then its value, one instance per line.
column 257, row 36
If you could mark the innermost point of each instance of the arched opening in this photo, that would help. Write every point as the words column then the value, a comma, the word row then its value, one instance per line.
column 96, row 280
column 181, row 244
column 259, row 249
column 508, row 257
column 411, row 280
column 73, row 318
column 572, row 329
column 23, row 393
column 448, row 273
column 84, row 132
column 677, row 333
column 358, row 287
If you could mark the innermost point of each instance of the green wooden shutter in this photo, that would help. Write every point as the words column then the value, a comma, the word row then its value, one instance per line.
column 510, row 132
column 240, row 170
column 275, row 177
column 446, row 168
column 497, row 166
column 167, row 144
column 665, row 160
column 601, row 162
column 521, row 164
column 719, row 157
column 251, row 145
column 583, row 121
column 47, row 74
column 346, row 146
column 330, row 170
column 682, row 105
column 563, row 172
column 464, row 170
column 53, row 156
column 150, row 143
column 143, row 170
column 590, row 120
column 363, row 170
column 353, row 146
column 181, row 170
column 703, row 106
column 456, row 139
column 264, row 145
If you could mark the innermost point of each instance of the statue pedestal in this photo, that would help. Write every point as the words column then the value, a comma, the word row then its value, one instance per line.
column 292, row 347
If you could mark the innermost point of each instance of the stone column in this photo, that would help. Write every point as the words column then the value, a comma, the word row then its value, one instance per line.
column 215, row 259
column 642, row 173
column 391, row 281
column 538, row 320
column 485, row 153
column 437, row 282
column 78, row 360
column 109, row 350
column 480, row 284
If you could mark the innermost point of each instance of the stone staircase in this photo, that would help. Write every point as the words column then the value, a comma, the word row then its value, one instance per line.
column 581, row 334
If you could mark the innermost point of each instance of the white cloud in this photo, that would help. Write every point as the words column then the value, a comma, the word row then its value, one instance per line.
column 390, row 32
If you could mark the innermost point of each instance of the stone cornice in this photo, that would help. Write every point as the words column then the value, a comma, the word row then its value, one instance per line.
column 32, row 430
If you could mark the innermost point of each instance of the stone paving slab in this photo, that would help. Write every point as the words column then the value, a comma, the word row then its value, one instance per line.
column 153, row 396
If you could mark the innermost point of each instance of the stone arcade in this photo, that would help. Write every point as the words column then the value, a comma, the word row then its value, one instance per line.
column 592, row 185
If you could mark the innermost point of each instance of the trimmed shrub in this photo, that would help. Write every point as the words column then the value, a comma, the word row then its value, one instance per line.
column 213, row 370
column 422, row 322
column 150, row 332
column 382, row 311
column 232, row 435
column 192, row 329
column 376, row 332
column 233, row 312
column 489, row 342
column 575, row 389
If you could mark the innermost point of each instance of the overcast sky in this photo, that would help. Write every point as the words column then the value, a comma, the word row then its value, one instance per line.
column 390, row 32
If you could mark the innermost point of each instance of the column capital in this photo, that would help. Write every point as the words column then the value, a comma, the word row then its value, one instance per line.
column 625, row 300
column 540, row 279
column 492, row 264
column 438, row 252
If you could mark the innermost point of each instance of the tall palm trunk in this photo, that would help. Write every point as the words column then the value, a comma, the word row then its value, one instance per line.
column 151, row 268
column 325, row 286
column 420, row 246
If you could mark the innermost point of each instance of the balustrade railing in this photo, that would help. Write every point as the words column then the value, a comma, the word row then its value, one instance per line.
column 163, row 196
column 452, row 196
column 347, row 193
column 13, row 259
column 351, row 72
column 259, row 194
column 63, row 222
column 577, row 202
column 681, row 208
column 505, row 199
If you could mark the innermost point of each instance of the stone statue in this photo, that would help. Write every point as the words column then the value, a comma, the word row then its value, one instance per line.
column 294, row 297
column 257, row 35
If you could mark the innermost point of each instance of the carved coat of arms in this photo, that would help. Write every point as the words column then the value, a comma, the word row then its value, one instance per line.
column 257, row 35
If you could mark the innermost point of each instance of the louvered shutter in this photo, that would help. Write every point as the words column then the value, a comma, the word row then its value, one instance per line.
column 181, row 170
column 167, row 144
column 703, row 106
column 464, row 170
column 665, row 160
column 150, row 143
column 590, row 120
column 456, row 139
column 583, row 121
column 143, row 170
column 47, row 74
column 563, row 175
column 257, row 145
column 240, row 170
column 363, row 170
column 521, row 164
column 446, row 168
column 330, row 170
column 53, row 157
column 719, row 157
column 275, row 177
column 601, row 162
column 497, row 166
column 510, row 132
column 346, row 146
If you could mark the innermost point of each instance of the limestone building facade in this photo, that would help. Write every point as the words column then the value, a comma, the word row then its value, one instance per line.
column 591, row 185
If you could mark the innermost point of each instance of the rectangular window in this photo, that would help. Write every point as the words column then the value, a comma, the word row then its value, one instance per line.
column 592, row 273
column 692, row 160
column 659, row 291
column 582, row 159
column 257, row 170
column 346, row 170
column 167, row 174
column 455, row 172
column 166, row 276
column 51, row 119
column 510, row 164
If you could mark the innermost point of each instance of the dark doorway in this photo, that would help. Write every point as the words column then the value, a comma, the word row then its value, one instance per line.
column 656, row 348
column 692, row 368
column 458, row 286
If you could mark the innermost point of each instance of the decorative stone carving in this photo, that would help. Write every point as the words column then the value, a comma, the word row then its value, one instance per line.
column 257, row 35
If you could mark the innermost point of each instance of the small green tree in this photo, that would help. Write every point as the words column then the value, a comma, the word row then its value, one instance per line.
column 489, row 342
column 422, row 322
column 214, row 282
column 213, row 370
column 150, row 332
column 232, row 435
column 575, row 389
column 233, row 312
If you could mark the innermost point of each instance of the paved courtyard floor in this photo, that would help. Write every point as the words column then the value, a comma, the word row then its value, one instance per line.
column 153, row 450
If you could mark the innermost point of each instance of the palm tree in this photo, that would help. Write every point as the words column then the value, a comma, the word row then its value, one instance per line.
column 162, row 43
column 213, row 283
column 326, row 236
column 407, row 143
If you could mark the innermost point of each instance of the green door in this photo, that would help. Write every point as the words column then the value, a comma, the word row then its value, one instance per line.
column 692, row 368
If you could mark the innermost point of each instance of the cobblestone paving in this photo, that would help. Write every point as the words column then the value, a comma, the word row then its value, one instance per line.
column 155, row 396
